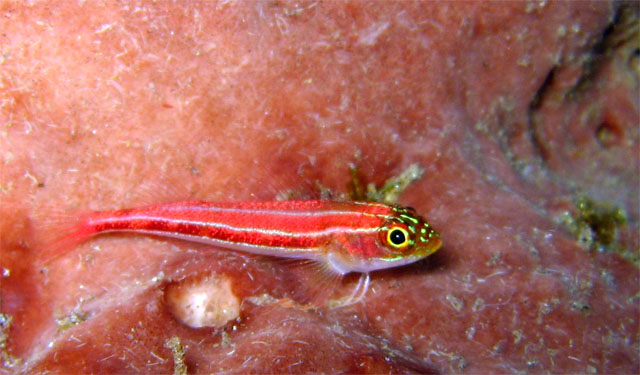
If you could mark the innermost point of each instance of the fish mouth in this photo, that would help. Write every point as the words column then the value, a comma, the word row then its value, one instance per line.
column 400, row 260
column 433, row 245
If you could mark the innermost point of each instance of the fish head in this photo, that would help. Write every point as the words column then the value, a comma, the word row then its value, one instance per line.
column 404, row 237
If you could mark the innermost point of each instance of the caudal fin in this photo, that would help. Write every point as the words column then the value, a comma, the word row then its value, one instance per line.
column 61, row 233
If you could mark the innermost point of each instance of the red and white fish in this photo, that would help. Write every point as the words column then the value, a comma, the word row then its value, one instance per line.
column 340, row 237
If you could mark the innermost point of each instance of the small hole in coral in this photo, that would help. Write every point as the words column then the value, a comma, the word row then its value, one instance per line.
column 608, row 134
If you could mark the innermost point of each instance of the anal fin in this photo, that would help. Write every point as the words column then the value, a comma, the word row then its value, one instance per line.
column 313, row 284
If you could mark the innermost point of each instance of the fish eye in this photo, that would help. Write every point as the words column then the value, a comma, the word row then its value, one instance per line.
column 398, row 238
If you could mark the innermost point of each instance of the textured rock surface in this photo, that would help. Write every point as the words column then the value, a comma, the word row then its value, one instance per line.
column 516, row 111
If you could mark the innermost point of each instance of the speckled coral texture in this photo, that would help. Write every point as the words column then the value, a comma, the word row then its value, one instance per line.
column 515, row 110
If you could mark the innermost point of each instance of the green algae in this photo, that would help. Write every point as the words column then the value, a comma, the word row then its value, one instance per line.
column 71, row 320
column 595, row 226
column 7, row 360
column 177, row 350
column 390, row 190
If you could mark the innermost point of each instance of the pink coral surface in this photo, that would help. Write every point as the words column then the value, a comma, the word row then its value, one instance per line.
column 515, row 110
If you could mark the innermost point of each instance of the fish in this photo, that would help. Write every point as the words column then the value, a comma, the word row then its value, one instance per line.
column 336, row 237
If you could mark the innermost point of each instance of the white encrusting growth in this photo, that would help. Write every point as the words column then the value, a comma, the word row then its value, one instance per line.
column 203, row 301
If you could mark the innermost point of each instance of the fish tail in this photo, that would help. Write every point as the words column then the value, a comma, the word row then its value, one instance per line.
column 62, row 232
